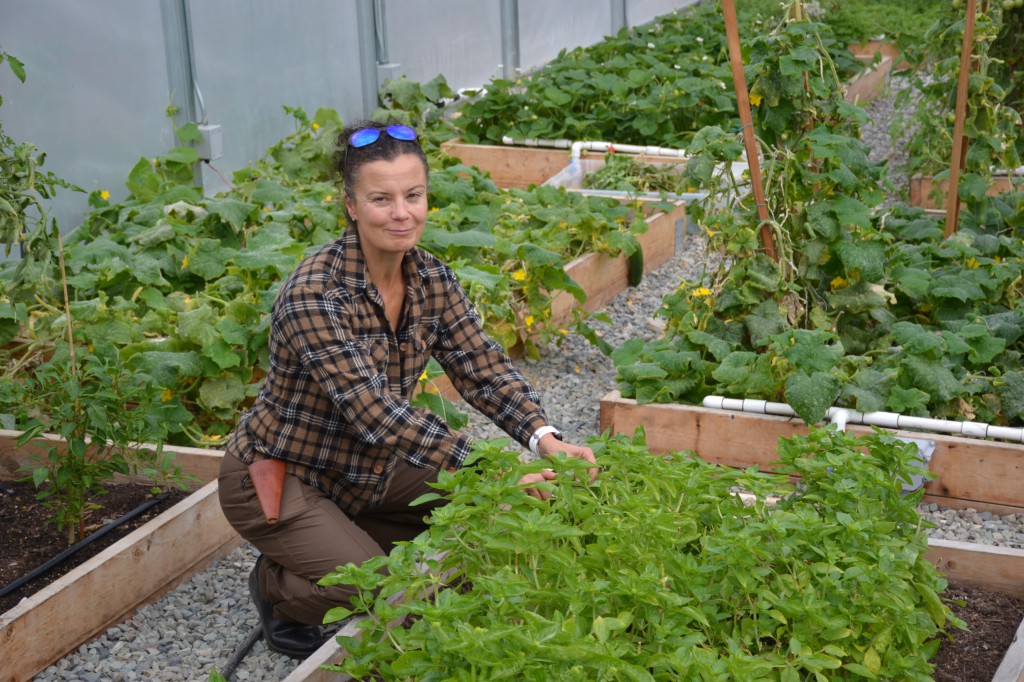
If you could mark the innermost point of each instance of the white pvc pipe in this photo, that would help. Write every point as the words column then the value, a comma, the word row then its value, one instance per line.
column 578, row 146
column 889, row 420
column 596, row 146
column 533, row 142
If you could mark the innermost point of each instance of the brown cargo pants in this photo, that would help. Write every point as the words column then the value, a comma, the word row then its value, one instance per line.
column 313, row 536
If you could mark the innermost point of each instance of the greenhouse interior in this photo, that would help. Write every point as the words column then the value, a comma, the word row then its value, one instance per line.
column 636, row 340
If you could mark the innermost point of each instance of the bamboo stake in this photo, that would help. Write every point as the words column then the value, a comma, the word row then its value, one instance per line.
column 749, row 141
column 959, row 148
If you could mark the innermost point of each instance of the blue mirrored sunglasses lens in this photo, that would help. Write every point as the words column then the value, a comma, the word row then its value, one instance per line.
column 363, row 137
column 400, row 132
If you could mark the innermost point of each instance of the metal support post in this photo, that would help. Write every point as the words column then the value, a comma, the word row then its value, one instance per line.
column 177, row 26
column 510, row 39
column 365, row 23
column 619, row 20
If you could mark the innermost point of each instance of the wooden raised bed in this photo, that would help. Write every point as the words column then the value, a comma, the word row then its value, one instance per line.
column 983, row 475
column 980, row 474
column 510, row 166
column 870, row 83
column 739, row 439
column 603, row 277
column 105, row 590
column 922, row 186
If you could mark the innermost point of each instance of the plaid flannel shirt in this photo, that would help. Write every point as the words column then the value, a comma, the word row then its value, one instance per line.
column 335, row 404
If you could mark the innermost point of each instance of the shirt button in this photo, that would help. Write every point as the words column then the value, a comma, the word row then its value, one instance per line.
column 378, row 468
column 404, row 346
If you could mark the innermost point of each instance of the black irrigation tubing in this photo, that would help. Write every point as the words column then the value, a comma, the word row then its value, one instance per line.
column 63, row 556
column 242, row 650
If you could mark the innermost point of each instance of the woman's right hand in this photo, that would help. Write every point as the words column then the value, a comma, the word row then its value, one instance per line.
column 538, row 477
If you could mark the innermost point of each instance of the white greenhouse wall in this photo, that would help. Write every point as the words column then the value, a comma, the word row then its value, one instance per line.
column 96, row 93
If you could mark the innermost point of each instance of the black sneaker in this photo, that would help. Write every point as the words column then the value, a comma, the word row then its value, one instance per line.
column 295, row 640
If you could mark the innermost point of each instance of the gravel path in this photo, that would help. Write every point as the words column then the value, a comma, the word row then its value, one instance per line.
column 198, row 626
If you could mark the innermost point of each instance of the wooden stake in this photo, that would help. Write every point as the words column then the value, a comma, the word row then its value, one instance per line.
column 749, row 141
column 959, row 148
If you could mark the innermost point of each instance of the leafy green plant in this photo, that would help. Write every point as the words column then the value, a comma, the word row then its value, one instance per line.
column 103, row 415
column 993, row 124
column 659, row 570
column 178, row 286
column 866, row 307
column 24, row 220
column 625, row 173
column 668, row 78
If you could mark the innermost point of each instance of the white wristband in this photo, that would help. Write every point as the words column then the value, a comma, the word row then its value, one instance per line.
column 540, row 433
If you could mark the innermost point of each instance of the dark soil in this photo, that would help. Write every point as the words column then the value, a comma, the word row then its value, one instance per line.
column 28, row 540
column 992, row 619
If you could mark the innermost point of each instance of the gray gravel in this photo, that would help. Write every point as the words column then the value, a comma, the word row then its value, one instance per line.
column 199, row 625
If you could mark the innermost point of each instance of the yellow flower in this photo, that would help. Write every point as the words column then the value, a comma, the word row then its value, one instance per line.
column 972, row 263
column 184, row 262
column 529, row 320
column 104, row 195
column 755, row 100
column 215, row 436
column 839, row 283
column 423, row 377
column 563, row 332
column 519, row 275
column 329, row 198
column 434, row 209
column 701, row 292
column 166, row 396
column 316, row 126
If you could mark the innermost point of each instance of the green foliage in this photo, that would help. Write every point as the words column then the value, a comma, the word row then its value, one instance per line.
column 993, row 124
column 866, row 308
column 668, row 78
column 855, row 21
column 102, row 413
column 659, row 571
column 179, row 286
column 624, row 173
column 24, row 219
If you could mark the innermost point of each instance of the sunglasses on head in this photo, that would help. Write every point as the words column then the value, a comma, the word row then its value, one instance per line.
column 368, row 136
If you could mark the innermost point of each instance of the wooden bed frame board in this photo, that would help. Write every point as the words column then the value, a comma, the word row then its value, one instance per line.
column 603, row 277
column 136, row 570
column 510, row 166
column 969, row 472
column 921, row 187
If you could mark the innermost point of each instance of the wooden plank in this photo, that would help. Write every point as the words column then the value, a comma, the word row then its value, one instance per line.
column 1012, row 667
column 106, row 589
column 993, row 568
column 981, row 474
column 203, row 463
column 870, row 83
column 510, row 166
column 921, row 187
column 604, row 277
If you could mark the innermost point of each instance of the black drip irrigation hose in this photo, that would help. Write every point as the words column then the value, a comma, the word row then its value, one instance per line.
column 242, row 650
column 63, row 556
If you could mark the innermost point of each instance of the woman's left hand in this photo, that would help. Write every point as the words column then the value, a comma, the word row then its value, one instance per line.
column 549, row 446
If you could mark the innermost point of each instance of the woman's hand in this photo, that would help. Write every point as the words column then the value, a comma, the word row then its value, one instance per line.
column 539, row 477
column 549, row 446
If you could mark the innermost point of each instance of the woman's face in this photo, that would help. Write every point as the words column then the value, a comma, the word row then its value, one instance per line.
column 389, row 205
